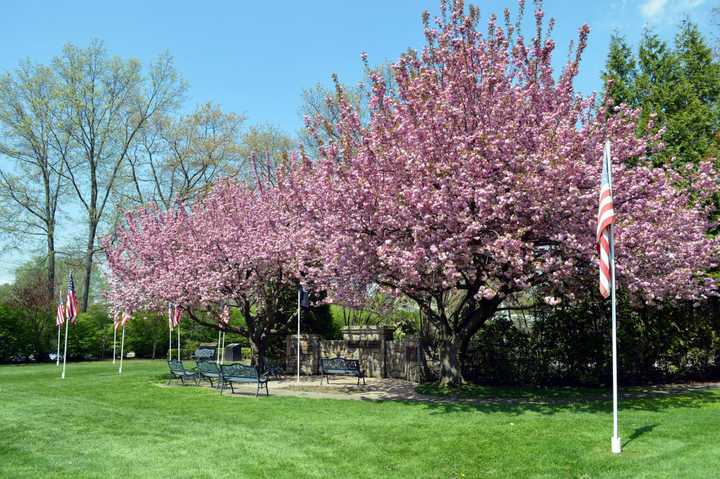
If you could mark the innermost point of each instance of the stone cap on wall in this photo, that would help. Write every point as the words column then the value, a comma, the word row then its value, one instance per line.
column 367, row 333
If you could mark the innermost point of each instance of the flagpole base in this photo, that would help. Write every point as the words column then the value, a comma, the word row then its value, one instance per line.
column 615, row 445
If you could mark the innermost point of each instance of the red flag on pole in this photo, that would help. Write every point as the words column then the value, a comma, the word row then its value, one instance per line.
column 177, row 316
column 606, row 217
column 60, row 318
column 71, row 306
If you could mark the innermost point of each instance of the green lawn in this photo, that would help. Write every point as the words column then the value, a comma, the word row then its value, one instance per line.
column 97, row 424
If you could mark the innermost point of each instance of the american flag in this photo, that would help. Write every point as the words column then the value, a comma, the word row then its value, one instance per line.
column 125, row 318
column 606, row 217
column 177, row 316
column 225, row 315
column 71, row 307
column 60, row 318
column 116, row 319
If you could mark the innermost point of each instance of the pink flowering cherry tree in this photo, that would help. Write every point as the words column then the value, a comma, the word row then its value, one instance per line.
column 477, row 178
column 231, row 248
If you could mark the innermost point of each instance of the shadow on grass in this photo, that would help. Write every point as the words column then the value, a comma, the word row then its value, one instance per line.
column 639, row 432
column 552, row 404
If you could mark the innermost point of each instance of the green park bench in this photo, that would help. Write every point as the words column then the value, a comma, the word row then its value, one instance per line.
column 340, row 367
column 178, row 371
column 237, row 373
column 208, row 370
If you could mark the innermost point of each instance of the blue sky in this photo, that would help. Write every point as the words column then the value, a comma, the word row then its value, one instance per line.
column 256, row 58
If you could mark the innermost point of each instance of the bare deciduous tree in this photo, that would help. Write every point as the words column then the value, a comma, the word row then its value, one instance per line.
column 31, row 187
column 180, row 158
column 108, row 101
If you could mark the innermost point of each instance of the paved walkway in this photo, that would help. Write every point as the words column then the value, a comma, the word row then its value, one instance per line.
column 400, row 390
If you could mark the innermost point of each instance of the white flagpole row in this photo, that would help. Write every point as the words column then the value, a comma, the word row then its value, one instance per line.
column 57, row 358
column 122, row 349
column 65, row 351
column 615, row 443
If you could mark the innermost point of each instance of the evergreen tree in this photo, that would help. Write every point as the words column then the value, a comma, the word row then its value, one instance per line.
column 677, row 88
column 620, row 72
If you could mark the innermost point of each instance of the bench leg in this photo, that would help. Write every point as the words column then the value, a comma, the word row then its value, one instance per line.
column 222, row 387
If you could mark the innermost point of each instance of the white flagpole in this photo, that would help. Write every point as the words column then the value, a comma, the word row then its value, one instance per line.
column 114, row 341
column 217, row 353
column 615, row 443
column 221, row 346
column 57, row 359
column 170, row 315
column 65, row 351
column 178, row 351
column 122, row 350
column 298, row 335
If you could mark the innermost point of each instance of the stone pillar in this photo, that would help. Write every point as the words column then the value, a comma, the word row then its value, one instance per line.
column 309, row 354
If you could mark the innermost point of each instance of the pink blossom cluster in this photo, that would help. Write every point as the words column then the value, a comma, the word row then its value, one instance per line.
column 231, row 246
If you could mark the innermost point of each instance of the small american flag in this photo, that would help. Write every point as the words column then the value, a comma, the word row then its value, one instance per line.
column 225, row 315
column 125, row 318
column 606, row 217
column 116, row 319
column 177, row 316
column 60, row 318
column 71, row 307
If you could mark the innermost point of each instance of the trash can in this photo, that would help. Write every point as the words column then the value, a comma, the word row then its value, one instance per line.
column 233, row 352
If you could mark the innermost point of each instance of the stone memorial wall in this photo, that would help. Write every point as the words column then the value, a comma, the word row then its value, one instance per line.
column 380, row 356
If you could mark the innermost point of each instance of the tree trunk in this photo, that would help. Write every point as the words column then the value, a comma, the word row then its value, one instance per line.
column 454, row 336
column 88, row 264
column 257, row 346
column 51, row 265
column 450, row 363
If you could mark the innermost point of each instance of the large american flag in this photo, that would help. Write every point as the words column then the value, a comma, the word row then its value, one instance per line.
column 71, row 307
column 60, row 318
column 606, row 217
